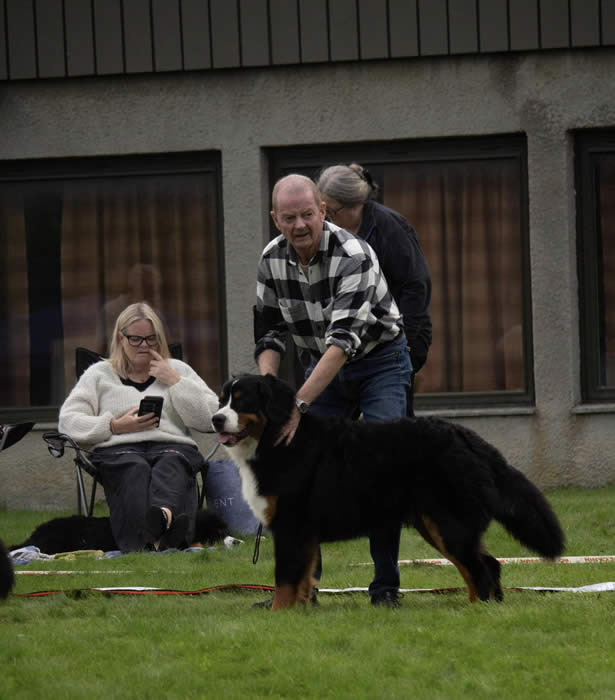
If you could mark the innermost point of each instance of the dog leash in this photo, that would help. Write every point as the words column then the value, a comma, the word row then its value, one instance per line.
column 257, row 543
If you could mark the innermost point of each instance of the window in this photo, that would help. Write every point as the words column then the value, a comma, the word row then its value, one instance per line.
column 595, row 174
column 467, row 200
column 83, row 238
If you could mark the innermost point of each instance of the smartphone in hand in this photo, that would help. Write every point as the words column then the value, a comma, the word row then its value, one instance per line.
column 151, row 404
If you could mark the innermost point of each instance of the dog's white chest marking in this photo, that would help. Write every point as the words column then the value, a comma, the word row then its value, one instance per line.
column 249, row 487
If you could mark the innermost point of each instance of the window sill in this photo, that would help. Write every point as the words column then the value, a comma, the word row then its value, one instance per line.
column 480, row 412
column 594, row 408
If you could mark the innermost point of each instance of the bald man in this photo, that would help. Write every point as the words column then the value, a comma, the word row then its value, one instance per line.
column 324, row 286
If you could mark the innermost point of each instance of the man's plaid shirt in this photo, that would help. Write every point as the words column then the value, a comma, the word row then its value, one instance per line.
column 342, row 299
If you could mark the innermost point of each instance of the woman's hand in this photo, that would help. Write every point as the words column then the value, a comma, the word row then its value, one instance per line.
column 131, row 422
column 159, row 368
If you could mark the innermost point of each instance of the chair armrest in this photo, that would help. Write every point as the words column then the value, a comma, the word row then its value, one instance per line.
column 56, row 443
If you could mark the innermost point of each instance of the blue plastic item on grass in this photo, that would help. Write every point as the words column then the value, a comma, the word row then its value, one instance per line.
column 223, row 495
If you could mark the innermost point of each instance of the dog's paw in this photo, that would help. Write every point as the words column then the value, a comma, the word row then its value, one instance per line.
column 230, row 542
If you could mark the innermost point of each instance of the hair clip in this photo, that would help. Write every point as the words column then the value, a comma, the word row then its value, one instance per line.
column 367, row 176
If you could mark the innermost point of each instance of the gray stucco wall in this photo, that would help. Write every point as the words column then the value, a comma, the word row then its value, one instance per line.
column 241, row 112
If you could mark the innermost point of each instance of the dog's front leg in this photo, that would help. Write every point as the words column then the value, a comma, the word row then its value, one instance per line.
column 285, row 596
column 294, row 566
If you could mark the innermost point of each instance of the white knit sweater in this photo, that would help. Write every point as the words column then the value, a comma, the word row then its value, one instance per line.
column 99, row 396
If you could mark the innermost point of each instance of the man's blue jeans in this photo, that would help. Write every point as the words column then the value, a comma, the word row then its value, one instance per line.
column 376, row 385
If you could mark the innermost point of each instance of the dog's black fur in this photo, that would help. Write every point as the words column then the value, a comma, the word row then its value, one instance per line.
column 70, row 534
column 7, row 576
column 76, row 532
column 339, row 478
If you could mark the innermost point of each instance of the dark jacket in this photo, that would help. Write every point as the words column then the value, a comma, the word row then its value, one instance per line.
column 405, row 268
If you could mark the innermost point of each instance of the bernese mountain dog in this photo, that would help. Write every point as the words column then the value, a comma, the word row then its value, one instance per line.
column 338, row 478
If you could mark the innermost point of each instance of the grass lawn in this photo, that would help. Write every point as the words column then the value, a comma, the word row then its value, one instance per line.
column 550, row 645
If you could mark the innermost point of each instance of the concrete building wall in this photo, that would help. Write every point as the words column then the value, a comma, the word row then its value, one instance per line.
column 242, row 112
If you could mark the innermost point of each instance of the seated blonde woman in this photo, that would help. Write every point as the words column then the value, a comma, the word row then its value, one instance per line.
column 148, row 467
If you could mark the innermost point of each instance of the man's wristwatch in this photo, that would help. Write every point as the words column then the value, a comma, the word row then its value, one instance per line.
column 302, row 406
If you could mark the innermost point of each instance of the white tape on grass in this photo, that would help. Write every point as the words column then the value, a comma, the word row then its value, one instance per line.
column 147, row 590
column 599, row 559
column 59, row 572
column 592, row 588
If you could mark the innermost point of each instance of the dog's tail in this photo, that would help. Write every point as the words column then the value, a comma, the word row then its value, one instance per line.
column 7, row 576
column 525, row 512
column 519, row 505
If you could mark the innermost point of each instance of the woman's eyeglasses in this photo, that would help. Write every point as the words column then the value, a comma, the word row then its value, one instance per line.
column 332, row 213
column 136, row 340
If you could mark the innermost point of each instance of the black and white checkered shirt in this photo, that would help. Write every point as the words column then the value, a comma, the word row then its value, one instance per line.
column 341, row 298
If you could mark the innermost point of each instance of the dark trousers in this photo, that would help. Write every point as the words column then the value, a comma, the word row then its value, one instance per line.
column 139, row 475
column 377, row 387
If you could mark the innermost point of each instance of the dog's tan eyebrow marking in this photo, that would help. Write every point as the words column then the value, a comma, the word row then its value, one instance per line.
column 237, row 395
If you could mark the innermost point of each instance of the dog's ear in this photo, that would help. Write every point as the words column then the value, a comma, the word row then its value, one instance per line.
column 278, row 398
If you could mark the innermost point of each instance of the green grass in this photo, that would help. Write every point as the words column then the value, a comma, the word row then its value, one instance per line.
column 216, row 646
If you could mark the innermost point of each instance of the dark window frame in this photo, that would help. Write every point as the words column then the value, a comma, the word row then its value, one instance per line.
column 121, row 166
column 285, row 159
column 588, row 146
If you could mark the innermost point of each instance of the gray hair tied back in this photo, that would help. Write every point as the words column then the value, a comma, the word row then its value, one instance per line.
column 347, row 184
column 367, row 176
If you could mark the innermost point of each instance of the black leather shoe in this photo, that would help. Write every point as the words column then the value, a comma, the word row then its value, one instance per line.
column 155, row 523
column 263, row 604
column 386, row 599
column 175, row 536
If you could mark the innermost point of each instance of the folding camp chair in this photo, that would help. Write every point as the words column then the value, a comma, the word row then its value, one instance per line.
column 10, row 433
column 57, row 442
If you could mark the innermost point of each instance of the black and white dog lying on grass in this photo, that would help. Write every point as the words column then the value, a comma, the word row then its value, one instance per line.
column 77, row 532
column 9, row 435
column 7, row 576
column 338, row 478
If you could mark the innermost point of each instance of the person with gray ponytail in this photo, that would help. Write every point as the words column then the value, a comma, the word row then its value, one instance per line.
column 350, row 195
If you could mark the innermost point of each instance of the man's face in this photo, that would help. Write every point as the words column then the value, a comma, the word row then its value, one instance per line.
column 299, row 218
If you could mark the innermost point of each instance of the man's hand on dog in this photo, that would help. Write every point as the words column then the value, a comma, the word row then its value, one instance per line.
column 287, row 433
